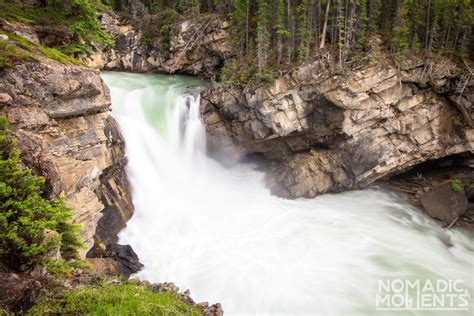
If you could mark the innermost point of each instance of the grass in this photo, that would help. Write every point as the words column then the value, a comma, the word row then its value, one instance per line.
column 113, row 299
column 10, row 55
column 15, row 13
column 55, row 54
column 48, row 52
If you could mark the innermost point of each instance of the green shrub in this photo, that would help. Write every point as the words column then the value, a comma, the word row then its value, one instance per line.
column 456, row 185
column 114, row 299
column 73, row 49
column 25, row 214
column 85, row 24
column 79, row 16
column 158, row 27
column 245, row 74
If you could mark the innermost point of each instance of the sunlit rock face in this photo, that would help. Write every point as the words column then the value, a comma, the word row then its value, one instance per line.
column 59, row 117
column 196, row 48
column 329, row 132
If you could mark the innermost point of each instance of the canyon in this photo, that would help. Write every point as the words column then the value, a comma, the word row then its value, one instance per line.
column 316, row 129
column 319, row 130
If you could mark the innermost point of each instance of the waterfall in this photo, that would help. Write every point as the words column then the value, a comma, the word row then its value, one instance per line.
column 219, row 232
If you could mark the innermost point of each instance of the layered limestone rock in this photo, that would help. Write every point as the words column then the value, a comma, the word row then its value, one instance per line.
column 329, row 132
column 59, row 116
column 195, row 47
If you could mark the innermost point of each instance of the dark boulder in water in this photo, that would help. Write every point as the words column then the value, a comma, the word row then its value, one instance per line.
column 444, row 203
column 124, row 255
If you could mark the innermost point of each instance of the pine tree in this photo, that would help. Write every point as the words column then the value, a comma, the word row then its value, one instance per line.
column 25, row 214
column 362, row 23
column 303, row 30
column 280, row 28
column 401, row 29
column 238, row 19
column 340, row 30
column 263, row 34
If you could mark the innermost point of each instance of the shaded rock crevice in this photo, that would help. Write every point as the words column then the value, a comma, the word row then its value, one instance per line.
column 443, row 187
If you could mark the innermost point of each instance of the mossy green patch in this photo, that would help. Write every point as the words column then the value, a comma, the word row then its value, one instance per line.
column 114, row 299
column 55, row 54
column 10, row 55
column 456, row 185
column 48, row 52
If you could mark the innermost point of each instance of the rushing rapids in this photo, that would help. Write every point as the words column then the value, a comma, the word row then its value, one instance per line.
column 217, row 230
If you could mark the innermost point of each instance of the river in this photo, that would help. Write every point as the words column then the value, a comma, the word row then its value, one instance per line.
column 219, row 232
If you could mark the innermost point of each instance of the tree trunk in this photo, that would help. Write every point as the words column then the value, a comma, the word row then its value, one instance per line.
column 427, row 27
column 247, row 28
column 325, row 26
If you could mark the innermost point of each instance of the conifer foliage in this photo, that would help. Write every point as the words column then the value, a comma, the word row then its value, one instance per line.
column 26, row 216
column 273, row 33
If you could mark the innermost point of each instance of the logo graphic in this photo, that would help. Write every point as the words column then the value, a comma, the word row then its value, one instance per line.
column 422, row 295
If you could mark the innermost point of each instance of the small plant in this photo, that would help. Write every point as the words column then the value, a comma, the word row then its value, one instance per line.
column 74, row 49
column 457, row 186
column 26, row 216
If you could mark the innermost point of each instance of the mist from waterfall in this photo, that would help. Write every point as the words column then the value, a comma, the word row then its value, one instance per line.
column 219, row 232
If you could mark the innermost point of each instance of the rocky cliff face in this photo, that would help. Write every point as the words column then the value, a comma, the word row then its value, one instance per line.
column 59, row 115
column 195, row 47
column 327, row 132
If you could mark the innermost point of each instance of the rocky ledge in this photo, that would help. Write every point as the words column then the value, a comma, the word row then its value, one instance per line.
column 196, row 47
column 327, row 131
column 58, row 114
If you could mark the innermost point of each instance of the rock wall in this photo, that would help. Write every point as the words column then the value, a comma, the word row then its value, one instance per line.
column 328, row 131
column 59, row 115
column 195, row 47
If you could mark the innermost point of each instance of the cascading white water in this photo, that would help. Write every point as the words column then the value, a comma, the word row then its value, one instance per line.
column 219, row 232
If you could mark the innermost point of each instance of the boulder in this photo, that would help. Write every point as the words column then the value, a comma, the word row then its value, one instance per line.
column 127, row 260
column 18, row 292
column 214, row 310
column 126, row 257
column 5, row 98
column 445, row 204
column 103, row 268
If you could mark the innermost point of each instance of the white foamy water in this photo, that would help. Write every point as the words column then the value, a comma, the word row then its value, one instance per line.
column 218, row 232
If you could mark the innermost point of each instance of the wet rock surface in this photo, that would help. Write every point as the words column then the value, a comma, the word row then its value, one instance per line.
column 329, row 132
column 445, row 203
